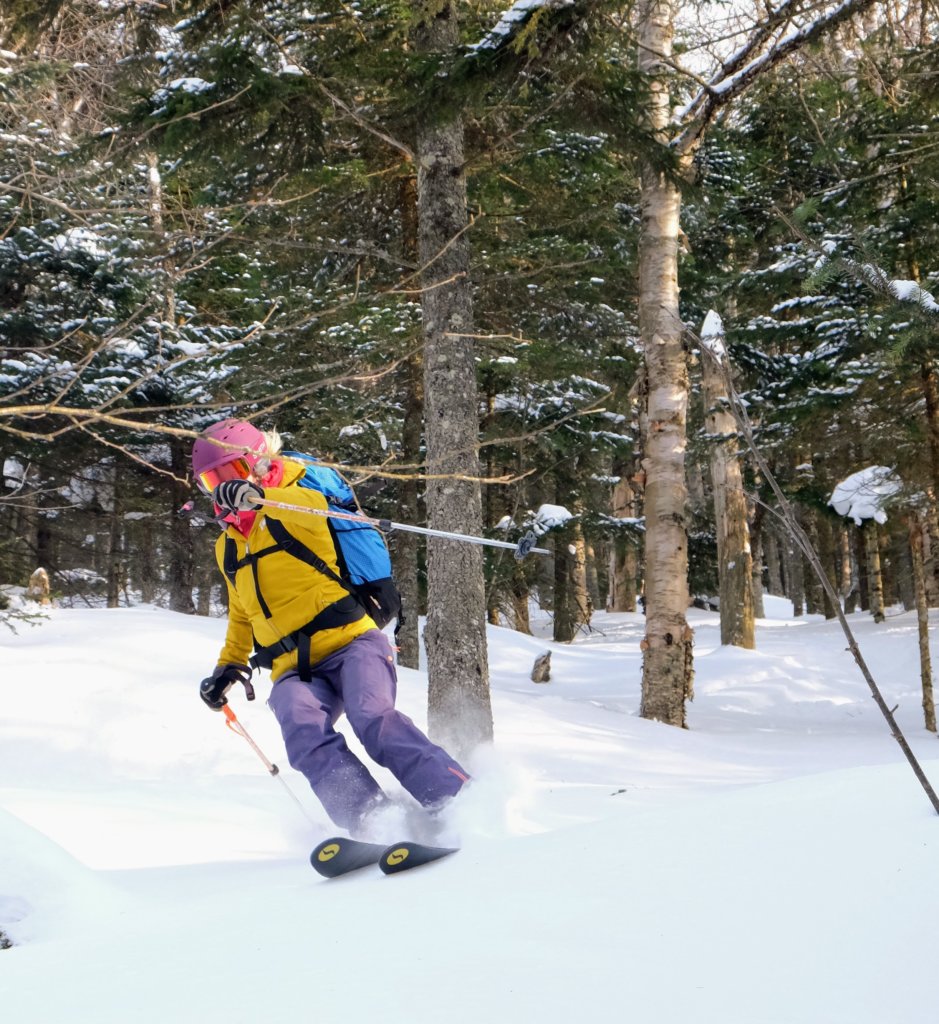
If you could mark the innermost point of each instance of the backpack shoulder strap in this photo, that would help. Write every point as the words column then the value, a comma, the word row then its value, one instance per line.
column 287, row 542
column 230, row 564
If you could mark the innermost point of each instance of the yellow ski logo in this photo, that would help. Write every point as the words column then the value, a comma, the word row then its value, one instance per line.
column 397, row 856
column 328, row 852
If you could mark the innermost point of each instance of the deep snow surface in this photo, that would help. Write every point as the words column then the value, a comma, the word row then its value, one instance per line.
column 777, row 862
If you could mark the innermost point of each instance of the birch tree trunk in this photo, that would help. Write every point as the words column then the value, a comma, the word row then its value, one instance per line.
column 734, row 557
column 922, row 620
column 667, row 667
column 459, row 710
column 155, row 206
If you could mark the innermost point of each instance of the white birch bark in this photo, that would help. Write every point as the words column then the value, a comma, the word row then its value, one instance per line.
column 667, row 672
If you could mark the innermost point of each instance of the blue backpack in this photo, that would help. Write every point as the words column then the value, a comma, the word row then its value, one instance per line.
column 361, row 555
column 361, row 551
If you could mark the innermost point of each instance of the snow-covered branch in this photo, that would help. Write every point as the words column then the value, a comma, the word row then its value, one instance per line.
column 753, row 59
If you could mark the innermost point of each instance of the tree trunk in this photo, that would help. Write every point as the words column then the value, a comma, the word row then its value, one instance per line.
column 591, row 576
column 520, row 597
column 902, row 562
column 756, row 571
column 624, row 563
column 181, row 563
column 667, row 669
column 406, row 547
column 875, row 583
column 115, row 567
column 564, row 625
column 931, row 549
column 155, row 203
column 734, row 556
column 795, row 575
column 459, row 709
column 850, row 575
column 774, row 578
column 922, row 620
column 826, row 555
column 146, row 561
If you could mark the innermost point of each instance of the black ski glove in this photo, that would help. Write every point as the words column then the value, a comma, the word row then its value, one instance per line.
column 213, row 689
column 237, row 495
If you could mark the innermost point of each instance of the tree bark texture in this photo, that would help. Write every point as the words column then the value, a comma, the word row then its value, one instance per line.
column 774, row 574
column 181, row 564
column 922, row 620
column 667, row 668
column 795, row 575
column 757, row 519
column 115, row 574
column 931, row 549
column 406, row 547
column 459, row 709
column 875, row 582
column 624, row 561
column 572, row 605
column 734, row 556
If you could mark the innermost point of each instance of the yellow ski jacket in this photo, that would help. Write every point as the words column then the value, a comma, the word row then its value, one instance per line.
column 294, row 592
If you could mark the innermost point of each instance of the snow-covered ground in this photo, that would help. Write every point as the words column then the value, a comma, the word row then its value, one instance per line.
column 777, row 862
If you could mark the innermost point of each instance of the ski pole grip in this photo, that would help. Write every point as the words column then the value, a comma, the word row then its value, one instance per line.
column 525, row 545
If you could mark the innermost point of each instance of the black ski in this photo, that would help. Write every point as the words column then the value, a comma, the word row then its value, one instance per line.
column 406, row 855
column 338, row 856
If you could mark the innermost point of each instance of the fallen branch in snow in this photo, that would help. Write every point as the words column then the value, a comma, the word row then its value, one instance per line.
column 716, row 352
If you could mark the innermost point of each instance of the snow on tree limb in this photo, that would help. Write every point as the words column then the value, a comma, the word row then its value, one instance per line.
column 863, row 494
column 752, row 60
column 712, row 335
column 513, row 19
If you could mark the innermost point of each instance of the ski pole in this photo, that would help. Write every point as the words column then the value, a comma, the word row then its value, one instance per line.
column 236, row 727
column 526, row 546
column 232, row 722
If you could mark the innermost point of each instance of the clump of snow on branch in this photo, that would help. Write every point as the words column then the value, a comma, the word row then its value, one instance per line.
column 900, row 288
column 550, row 516
column 712, row 335
column 863, row 494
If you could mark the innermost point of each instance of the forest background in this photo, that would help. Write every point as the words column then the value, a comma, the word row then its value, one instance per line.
column 229, row 208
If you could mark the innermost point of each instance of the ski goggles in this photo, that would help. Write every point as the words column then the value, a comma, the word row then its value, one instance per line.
column 236, row 469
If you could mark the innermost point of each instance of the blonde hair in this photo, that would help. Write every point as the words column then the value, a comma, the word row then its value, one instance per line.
column 272, row 442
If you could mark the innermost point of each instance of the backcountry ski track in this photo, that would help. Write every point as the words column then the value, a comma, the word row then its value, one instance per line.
column 338, row 856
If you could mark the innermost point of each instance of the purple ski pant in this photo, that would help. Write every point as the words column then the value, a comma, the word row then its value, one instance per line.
column 359, row 679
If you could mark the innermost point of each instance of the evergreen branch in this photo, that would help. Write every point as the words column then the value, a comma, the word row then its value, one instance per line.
column 397, row 144
column 705, row 108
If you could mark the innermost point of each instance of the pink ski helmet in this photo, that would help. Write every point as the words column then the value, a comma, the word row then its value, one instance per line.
column 222, row 449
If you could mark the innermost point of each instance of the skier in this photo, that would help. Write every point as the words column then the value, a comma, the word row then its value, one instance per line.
column 325, row 653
